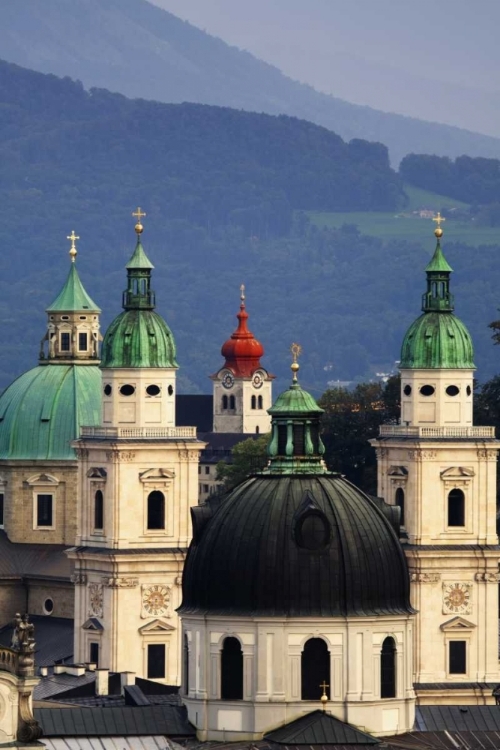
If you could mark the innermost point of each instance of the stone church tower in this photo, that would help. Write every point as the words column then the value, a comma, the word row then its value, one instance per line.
column 441, row 471
column 138, row 479
column 242, row 387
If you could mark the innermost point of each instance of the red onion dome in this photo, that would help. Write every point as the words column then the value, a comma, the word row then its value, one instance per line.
column 242, row 351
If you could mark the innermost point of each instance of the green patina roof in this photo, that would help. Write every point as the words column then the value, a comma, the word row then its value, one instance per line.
column 139, row 259
column 73, row 296
column 437, row 340
column 138, row 338
column 295, row 401
column 42, row 411
column 438, row 263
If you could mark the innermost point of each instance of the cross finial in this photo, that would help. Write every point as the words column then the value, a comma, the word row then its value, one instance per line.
column 73, row 251
column 242, row 292
column 324, row 697
column 138, row 215
column 438, row 232
column 296, row 350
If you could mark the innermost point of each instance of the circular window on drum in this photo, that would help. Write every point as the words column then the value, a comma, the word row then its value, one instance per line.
column 153, row 390
column 313, row 532
column 107, row 390
column 407, row 390
column 452, row 390
column 48, row 606
column 427, row 390
column 127, row 389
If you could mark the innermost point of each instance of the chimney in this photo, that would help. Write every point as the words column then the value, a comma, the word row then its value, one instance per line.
column 126, row 678
column 44, row 671
column 101, row 681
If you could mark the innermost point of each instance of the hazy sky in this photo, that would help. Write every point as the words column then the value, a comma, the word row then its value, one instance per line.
column 438, row 60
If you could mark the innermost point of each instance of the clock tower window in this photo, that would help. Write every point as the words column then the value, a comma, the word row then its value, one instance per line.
column 156, row 510
column 232, row 402
column 456, row 508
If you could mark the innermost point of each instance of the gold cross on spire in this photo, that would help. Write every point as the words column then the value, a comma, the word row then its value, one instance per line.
column 73, row 252
column 138, row 215
column 438, row 232
column 324, row 697
column 296, row 350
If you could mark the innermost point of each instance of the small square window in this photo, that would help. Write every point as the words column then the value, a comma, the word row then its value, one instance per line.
column 44, row 510
column 207, row 469
column 205, row 488
column 65, row 342
column 82, row 342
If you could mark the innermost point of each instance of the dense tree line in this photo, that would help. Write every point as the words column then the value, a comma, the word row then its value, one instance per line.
column 472, row 180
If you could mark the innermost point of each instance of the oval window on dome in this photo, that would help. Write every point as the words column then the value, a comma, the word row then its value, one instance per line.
column 127, row 389
column 469, row 390
column 48, row 606
column 452, row 390
column 153, row 390
column 313, row 532
column 407, row 390
column 427, row 390
column 107, row 390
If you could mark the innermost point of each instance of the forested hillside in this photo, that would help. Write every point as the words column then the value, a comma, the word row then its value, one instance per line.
column 224, row 193
column 138, row 49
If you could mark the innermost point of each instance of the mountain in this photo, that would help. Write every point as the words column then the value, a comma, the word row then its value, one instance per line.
column 223, row 191
column 140, row 50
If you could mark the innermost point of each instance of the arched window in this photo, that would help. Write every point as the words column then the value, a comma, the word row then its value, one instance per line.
column 254, row 402
column 400, row 502
column 456, row 508
column 224, row 402
column 315, row 669
column 156, row 510
column 186, row 664
column 259, row 402
column 98, row 510
column 232, row 402
column 231, row 670
column 388, row 669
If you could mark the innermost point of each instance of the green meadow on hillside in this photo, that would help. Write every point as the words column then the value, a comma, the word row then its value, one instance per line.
column 408, row 226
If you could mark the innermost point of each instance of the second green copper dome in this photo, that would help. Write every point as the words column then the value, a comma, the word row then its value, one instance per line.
column 138, row 338
column 437, row 340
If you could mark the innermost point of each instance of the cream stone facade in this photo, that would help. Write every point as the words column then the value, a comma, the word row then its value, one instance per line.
column 139, row 397
column 272, row 674
column 241, row 403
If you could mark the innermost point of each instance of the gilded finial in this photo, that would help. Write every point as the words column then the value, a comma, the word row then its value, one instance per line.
column 438, row 232
column 138, row 214
column 324, row 697
column 296, row 350
column 242, row 294
column 73, row 252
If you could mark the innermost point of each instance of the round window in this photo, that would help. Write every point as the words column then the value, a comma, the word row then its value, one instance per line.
column 153, row 390
column 452, row 390
column 313, row 532
column 127, row 389
column 469, row 390
column 48, row 606
column 427, row 390
column 170, row 390
column 407, row 390
column 107, row 389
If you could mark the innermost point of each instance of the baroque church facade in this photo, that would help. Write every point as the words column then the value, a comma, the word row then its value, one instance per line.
column 294, row 587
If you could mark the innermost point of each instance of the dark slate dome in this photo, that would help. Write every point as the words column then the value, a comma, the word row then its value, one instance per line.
column 295, row 546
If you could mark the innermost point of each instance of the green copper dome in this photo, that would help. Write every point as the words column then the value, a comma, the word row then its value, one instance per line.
column 138, row 337
column 42, row 411
column 437, row 339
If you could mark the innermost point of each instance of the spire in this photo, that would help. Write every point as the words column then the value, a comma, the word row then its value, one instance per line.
column 138, row 295
column 295, row 446
column 242, row 351
column 73, row 297
column 437, row 298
